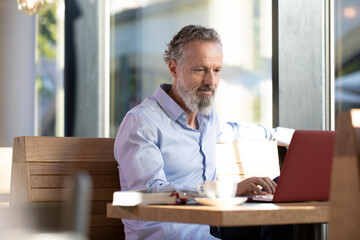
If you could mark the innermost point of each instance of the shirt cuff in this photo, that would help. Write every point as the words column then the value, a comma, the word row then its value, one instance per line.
column 283, row 136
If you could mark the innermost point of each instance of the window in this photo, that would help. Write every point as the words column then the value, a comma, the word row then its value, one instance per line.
column 347, row 54
column 139, row 33
column 49, row 70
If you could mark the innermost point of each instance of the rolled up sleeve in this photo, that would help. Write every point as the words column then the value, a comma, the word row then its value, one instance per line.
column 231, row 131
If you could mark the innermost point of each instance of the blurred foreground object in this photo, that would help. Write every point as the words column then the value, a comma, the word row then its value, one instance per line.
column 68, row 219
column 345, row 182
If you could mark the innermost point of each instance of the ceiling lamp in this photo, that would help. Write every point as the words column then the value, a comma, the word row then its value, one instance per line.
column 30, row 7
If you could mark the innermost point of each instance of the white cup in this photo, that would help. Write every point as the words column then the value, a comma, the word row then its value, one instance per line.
column 217, row 189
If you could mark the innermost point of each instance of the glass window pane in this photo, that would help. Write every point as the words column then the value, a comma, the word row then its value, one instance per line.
column 347, row 54
column 49, row 69
column 141, row 29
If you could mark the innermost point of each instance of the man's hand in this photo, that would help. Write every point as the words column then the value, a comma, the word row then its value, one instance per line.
column 251, row 186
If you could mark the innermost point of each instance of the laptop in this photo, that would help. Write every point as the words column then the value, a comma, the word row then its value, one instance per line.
column 305, row 174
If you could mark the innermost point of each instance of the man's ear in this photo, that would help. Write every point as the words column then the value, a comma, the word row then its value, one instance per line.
column 173, row 68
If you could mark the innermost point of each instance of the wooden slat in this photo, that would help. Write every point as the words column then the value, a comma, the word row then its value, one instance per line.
column 248, row 168
column 19, row 171
column 109, row 233
column 99, row 181
column 57, row 194
column 241, row 177
column 18, row 150
column 252, row 151
column 97, row 207
column 104, row 221
column 102, row 168
column 69, row 149
column 239, row 160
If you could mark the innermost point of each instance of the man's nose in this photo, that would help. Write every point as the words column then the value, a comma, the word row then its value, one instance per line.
column 211, row 78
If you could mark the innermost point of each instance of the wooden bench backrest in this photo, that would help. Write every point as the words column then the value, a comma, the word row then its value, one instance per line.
column 40, row 165
column 247, row 158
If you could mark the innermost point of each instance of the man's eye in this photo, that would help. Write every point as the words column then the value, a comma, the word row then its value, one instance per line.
column 199, row 70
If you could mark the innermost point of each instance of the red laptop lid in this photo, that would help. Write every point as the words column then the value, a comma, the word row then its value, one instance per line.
column 305, row 174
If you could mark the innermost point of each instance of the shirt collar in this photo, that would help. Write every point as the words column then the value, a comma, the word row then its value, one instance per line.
column 172, row 109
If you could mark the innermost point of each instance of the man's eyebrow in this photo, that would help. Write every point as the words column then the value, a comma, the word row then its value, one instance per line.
column 205, row 67
column 199, row 66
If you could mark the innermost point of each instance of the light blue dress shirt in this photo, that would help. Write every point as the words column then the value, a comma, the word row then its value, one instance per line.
column 157, row 150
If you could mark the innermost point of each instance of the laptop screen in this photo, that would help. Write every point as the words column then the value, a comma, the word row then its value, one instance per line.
column 305, row 174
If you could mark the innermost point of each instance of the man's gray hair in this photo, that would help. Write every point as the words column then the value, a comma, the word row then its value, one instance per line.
column 186, row 35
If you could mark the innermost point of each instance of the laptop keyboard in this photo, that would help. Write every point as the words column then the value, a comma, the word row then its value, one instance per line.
column 260, row 198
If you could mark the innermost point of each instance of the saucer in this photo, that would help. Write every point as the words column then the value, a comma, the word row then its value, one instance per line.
column 221, row 201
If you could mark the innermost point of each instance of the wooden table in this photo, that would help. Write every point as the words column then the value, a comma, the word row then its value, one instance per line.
column 248, row 214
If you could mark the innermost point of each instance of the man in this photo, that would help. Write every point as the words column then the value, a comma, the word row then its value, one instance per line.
column 167, row 143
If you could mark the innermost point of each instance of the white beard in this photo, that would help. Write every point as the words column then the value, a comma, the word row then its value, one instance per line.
column 197, row 104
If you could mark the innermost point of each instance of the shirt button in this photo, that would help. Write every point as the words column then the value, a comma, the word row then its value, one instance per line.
column 184, row 116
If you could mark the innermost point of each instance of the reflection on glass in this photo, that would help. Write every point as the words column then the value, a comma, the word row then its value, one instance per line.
column 347, row 54
column 141, row 29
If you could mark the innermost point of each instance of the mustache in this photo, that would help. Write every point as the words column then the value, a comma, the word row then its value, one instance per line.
column 206, row 88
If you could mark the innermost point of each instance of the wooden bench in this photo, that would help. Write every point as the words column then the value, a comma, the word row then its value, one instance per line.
column 247, row 158
column 41, row 163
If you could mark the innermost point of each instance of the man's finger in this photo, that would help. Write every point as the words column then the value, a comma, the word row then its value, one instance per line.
column 266, row 185
column 254, row 189
column 271, row 184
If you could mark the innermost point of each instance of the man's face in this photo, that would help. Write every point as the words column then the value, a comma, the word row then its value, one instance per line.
column 198, row 75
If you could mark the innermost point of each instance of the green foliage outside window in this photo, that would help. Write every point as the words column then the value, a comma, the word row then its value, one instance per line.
column 47, row 31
